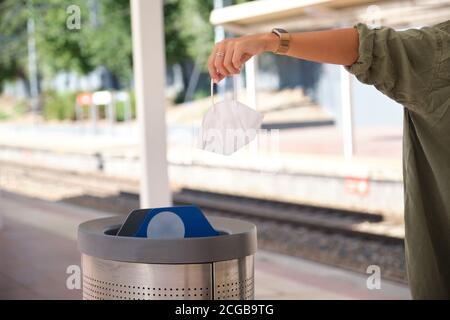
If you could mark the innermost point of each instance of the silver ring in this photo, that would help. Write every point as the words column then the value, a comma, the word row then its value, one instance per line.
column 220, row 54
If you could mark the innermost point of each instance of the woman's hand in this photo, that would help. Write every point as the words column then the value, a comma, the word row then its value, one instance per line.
column 339, row 46
column 228, row 56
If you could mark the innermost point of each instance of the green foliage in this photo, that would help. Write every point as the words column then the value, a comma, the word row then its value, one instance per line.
column 4, row 116
column 189, row 36
column 102, row 41
column 13, row 40
column 176, row 49
column 188, row 33
column 60, row 48
column 21, row 107
column 201, row 93
column 240, row 1
column 107, row 42
column 120, row 109
column 196, row 30
column 17, row 110
column 110, row 41
column 179, row 97
column 59, row 106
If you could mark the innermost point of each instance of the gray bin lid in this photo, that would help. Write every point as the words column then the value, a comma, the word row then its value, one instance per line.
column 239, row 241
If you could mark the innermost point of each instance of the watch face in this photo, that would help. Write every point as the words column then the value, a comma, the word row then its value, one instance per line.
column 280, row 30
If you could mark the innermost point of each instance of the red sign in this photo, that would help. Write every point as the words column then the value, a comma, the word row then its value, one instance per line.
column 358, row 186
column 84, row 99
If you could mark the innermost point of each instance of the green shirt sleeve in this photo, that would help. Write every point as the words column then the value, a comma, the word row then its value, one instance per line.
column 403, row 65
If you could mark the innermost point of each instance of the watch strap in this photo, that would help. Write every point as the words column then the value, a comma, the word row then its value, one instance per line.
column 285, row 39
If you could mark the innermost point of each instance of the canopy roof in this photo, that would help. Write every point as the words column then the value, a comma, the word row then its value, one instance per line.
column 296, row 15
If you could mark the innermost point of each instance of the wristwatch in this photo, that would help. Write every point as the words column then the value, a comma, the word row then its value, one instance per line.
column 285, row 39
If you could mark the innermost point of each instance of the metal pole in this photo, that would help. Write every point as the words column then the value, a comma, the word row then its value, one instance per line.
column 193, row 80
column 149, row 79
column 32, row 60
column 93, row 10
column 250, row 87
column 94, row 114
column 219, row 35
column 347, row 113
column 111, row 107
column 127, row 106
column 78, row 112
column 250, row 81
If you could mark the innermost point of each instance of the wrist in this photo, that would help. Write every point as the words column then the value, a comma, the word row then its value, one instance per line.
column 271, row 42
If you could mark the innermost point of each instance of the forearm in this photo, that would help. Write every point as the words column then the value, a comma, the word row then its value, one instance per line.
column 333, row 46
column 338, row 46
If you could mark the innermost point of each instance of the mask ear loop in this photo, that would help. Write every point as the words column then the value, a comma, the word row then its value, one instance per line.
column 235, row 85
column 212, row 92
column 202, row 133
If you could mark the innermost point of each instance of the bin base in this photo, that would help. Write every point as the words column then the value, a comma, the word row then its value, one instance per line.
column 115, row 280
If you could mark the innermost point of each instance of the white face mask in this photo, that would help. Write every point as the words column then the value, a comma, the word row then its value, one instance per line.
column 228, row 125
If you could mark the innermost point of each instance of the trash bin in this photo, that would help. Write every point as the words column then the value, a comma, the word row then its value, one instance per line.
column 208, row 268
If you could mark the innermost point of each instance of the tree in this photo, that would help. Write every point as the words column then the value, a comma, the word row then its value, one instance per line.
column 60, row 48
column 104, row 38
column 13, row 41
column 188, row 34
column 105, row 41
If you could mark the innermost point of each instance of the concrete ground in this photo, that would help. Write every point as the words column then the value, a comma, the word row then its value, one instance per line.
column 38, row 243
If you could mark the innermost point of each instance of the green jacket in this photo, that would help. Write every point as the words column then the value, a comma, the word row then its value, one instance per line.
column 413, row 68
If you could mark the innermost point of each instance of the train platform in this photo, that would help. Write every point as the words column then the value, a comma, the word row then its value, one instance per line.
column 301, row 165
column 38, row 240
column 305, row 138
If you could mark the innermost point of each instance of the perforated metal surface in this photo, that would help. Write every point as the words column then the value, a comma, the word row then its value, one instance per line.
column 102, row 290
column 233, row 279
column 114, row 280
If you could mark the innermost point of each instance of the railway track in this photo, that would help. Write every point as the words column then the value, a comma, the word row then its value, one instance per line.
column 350, row 240
column 323, row 219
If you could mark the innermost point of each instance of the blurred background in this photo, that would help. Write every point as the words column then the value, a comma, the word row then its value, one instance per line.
column 323, row 181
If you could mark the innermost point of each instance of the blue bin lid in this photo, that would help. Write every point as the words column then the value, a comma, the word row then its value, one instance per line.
column 236, row 239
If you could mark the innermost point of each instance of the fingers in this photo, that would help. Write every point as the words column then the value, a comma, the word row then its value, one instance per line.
column 220, row 78
column 227, row 61
column 220, row 61
column 211, row 68
column 219, row 57
column 236, row 60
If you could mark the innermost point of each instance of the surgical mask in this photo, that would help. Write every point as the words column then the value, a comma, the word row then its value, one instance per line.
column 228, row 125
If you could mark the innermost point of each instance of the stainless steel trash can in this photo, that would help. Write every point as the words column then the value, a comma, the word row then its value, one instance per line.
column 210, row 268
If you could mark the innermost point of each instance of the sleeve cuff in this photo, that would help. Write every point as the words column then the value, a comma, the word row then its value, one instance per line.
column 366, row 42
